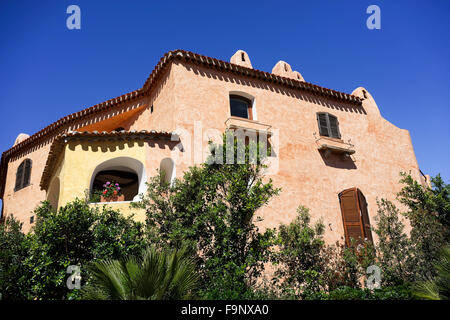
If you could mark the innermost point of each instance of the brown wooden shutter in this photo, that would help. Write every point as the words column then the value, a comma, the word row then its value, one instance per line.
column 19, row 177
column 351, row 215
column 323, row 124
column 27, row 173
column 334, row 129
column 365, row 216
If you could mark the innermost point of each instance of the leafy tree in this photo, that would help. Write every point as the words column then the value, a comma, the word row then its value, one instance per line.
column 212, row 209
column 348, row 263
column 439, row 287
column 435, row 200
column 301, row 259
column 75, row 235
column 156, row 275
column 427, row 214
column 394, row 248
column 13, row 281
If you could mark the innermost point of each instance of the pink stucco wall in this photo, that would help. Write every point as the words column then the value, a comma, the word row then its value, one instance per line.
column 187, row 93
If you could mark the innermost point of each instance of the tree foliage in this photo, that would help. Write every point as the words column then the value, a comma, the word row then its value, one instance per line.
column 73, row 235
column 12, row 255
column 212, row 209
column 153, row 275
column 428, row 211
column 301, row 256
column 437, row 288
column 394, row 248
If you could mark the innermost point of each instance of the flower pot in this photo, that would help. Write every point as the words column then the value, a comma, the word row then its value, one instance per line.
column 112, row 198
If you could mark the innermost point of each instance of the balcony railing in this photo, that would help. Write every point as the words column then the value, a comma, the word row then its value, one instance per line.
column 336, row 146
column 235, row 123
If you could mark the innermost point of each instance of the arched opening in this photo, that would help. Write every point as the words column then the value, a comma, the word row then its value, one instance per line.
column 129, row 173
column 53, row 193
column 241, row 107
column 167, row 169
column 126, row 178
column 23, row 175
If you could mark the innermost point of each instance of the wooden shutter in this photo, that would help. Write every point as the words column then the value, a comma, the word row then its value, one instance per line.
column 323, row 124
column 334, row 129
column 19, row 176
column 365, row 216
column 351, row 215
column 27, row 173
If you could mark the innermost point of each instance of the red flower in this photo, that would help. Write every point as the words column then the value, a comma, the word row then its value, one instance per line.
column 104, row 191
column 115, row 192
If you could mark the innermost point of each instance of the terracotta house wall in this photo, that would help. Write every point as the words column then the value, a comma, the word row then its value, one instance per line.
column 22, row 203
column 306, row 178
column 188, row 93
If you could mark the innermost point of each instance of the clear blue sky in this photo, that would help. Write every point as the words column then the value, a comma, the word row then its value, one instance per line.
column 48, row 71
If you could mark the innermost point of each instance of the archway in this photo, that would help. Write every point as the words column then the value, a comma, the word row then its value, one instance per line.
column 167, row 169
column 128, row 172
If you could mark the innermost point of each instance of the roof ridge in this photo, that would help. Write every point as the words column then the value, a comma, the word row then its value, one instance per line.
column 60, row 140
column 154, row 75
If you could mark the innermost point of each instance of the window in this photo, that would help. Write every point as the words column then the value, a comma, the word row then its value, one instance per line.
column 23, row 175
column 241, row 107
column 355, row 215
column 119, row 129
column 328, row 125
column 126, row 178
column 128, row 172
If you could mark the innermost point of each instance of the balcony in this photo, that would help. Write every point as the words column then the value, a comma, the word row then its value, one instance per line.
column 235, row 123
column 334, row 146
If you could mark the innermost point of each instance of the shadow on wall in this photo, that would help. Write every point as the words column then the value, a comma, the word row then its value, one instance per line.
column 104, row 146
column 305, row 96
column 337, row 161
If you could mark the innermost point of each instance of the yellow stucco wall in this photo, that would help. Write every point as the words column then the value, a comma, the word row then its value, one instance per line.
column 79, row 161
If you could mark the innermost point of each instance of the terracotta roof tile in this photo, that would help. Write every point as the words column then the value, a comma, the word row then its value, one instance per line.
column 154, row 76
column 60, row 141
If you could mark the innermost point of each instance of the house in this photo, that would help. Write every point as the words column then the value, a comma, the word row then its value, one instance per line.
column 333, row 152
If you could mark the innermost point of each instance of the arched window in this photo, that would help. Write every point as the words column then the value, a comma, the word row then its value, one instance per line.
column 129, row 173
column 328, row 125
column 240, row 107
column 167, row 169
column 125, row 177
column 355, row 215
column 23, row 175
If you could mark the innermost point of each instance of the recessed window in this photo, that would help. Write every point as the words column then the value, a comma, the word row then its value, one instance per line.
column 167, row 170
column 31, row 219
column 23, row 175
column 241, row 107
column 328, row 125
column 126, row 178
